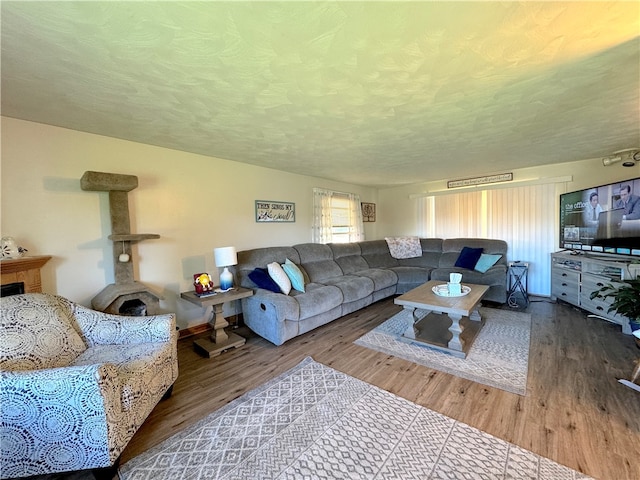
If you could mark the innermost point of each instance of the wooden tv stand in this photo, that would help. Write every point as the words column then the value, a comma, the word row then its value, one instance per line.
column 574, row 277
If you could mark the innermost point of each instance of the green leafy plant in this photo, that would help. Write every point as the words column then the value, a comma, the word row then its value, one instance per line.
column 626, row 298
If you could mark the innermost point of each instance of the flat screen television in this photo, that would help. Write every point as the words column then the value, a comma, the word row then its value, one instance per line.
column 603, row 219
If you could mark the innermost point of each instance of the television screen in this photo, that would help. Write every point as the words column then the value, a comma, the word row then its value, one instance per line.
column 604, row 219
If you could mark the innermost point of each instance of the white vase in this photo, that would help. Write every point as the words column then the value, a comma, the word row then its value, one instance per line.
column 226, row 279
column 10, row 248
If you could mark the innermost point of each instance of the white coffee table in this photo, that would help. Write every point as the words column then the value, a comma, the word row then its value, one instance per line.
column 451, row 324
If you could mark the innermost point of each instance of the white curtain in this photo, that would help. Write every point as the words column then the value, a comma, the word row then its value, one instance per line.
column 356, row 232
column 526, row 218
column 523, row 216
column 321, row 230
column 322, row 216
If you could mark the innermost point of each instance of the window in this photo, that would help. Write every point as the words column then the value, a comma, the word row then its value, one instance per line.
column 340, row 226
column 337, row 217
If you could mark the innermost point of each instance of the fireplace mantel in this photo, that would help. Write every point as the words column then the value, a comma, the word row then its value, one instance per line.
column 25, row 270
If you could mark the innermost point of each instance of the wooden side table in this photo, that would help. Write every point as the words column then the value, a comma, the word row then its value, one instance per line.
column 219, row 340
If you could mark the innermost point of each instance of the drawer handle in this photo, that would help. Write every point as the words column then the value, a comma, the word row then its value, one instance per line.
column 564, row 284
column 599, row 308
column 599, row 284
column 564, row 274
column 564, row 294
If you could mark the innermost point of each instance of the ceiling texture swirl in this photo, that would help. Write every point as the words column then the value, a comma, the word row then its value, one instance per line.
column 369, row 93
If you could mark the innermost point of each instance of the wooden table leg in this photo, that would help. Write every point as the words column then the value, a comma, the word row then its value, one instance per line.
column 219, row 340
column 410, row 331
column 456, row 330
column 218, row 323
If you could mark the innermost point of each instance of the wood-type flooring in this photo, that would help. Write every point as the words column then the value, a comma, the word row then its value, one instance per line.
column 575, row 412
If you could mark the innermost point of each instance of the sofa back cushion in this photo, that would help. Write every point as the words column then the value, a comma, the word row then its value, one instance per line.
column 317, row 260
column 348, row 257
column 431, row 252
column 452, row 247
column 38, row 332
column 376, row 254
column 248, row 260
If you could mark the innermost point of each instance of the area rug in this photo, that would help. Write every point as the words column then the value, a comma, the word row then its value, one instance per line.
column 314, row 422
column 498, row 358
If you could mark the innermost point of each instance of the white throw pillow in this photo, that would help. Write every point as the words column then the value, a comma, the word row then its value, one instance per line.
column 280, row 277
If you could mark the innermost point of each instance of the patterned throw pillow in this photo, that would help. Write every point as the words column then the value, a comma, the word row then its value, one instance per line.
column 280, row 277
column 404, row 247
column 37, row 331
column 294, row 274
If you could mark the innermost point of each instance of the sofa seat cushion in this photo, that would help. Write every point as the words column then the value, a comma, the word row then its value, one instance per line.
column 315, row 300
column 381, row 278
column 494, row 276
column 38, row 332
column 137, row 366
column 353, row 288
column 412, row 275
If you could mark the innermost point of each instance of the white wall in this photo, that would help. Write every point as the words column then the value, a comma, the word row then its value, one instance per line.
column 584, row 174
column 400, row 211
column 195, row 203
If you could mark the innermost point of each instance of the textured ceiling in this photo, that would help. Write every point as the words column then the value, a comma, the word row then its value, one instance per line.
column 369, row 93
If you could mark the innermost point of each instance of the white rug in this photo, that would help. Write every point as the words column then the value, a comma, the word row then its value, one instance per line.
column 498, row 358
column 314, row 422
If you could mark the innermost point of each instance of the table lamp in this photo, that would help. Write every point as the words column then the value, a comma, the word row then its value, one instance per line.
column 225, row 257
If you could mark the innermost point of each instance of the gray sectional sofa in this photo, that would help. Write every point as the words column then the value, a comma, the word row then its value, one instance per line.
column 341, row 278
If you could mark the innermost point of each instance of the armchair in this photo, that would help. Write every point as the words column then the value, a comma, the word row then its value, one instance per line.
column 76, row 384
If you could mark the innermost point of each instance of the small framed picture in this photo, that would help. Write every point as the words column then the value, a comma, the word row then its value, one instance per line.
column 270, row 211
column 368, row 212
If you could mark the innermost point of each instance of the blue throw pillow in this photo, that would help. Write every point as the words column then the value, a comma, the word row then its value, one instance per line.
column 294, row 274
column 468, row 257
column 486, row 262
column 262, row 279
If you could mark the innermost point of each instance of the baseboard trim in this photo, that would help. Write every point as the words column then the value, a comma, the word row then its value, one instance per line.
column 194, row 330
column 203, row 327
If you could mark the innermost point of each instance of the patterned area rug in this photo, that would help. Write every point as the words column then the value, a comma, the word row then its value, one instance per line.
column 498, row 358
column 314, row 422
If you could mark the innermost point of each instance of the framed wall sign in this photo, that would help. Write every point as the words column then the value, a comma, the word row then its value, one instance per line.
column 270, row 211
column 501, row 177
column 368, row 212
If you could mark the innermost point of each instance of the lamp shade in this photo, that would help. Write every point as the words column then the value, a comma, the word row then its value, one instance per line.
column 225, row 256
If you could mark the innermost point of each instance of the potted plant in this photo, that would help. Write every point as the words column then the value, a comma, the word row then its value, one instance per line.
column 626, row 300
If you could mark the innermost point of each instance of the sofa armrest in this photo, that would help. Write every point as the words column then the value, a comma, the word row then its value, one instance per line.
column 98, row 328
column 280, row 306
column 48, row 411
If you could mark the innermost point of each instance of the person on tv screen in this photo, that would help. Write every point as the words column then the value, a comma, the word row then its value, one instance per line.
column 592, row 211
column 630, row 203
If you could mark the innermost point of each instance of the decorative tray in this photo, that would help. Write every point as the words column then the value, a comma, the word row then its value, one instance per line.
column 443, row 291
